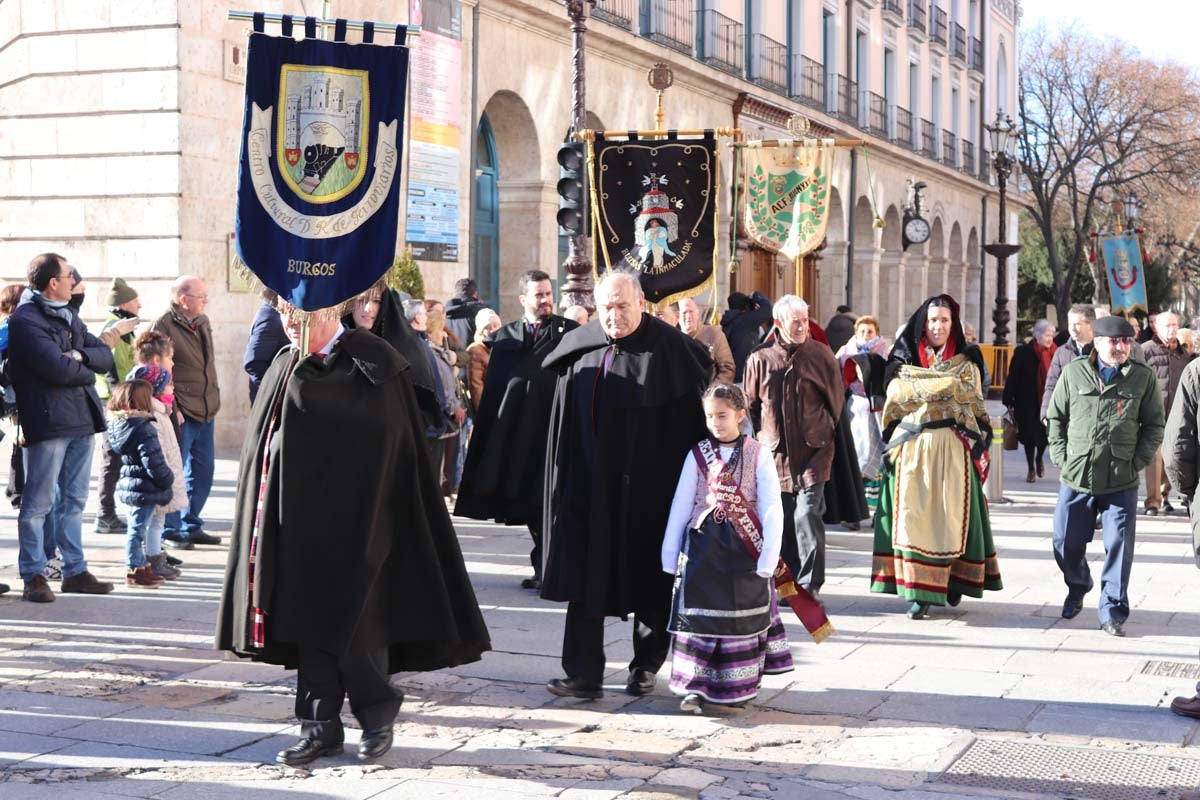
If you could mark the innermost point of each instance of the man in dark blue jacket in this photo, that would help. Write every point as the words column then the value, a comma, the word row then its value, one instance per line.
column 267, row 338
column 742, row 324
column 52, row 364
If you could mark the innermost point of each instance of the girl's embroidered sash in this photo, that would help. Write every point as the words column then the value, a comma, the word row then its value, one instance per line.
column 730, row 504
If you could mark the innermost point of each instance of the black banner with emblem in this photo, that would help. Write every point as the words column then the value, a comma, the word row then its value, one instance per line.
column 655, row 211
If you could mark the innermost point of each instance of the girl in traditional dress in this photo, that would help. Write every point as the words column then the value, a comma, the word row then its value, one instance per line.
column 722, row 544
column 933, row 538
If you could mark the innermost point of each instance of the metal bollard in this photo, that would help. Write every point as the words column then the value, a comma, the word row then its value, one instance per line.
column 994, row 488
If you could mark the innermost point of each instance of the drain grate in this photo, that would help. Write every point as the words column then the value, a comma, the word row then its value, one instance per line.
column 1172, row 669
column 1072, row 772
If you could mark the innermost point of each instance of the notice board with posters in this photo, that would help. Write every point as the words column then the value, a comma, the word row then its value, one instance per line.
column 435, row 134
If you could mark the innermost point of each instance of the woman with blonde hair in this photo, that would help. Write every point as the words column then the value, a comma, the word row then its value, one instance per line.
column 486, row 323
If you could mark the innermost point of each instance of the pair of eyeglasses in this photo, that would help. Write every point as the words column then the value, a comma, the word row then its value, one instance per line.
column 1124, row 341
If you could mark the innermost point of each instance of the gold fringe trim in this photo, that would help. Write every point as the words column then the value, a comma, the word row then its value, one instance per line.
column 824, row 632
column 787, row 590
column 256, row 286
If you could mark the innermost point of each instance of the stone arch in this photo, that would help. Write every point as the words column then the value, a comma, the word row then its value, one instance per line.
column 972, row 279
column 891, row 230
column 954, row 272
column 863, row 280
column 831, row 260
column 526, row 201
column 937, row 242
column 955, row 254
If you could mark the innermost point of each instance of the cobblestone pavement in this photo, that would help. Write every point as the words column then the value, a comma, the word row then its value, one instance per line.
column 121, row 696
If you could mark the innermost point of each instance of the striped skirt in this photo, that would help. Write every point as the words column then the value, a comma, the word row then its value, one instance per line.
column 729, row 670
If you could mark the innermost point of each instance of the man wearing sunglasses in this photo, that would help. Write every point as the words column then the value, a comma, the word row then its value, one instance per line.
column 1106, row 422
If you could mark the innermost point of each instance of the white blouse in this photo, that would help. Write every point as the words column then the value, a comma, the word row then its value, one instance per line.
column 770, row 511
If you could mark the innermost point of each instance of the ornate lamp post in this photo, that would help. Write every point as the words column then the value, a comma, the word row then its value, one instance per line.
column 1003, row 141
column 577, row 290
column 1133, row 208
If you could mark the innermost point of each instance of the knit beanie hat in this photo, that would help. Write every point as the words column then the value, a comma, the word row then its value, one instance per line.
column 119, row 293
column 156, row 376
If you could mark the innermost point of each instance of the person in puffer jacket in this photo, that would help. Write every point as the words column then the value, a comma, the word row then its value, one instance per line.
column 146, row 481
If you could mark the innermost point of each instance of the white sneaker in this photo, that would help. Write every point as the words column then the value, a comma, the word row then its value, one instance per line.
column 53, row 570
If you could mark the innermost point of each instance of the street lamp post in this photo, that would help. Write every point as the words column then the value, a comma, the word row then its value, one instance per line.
column 577, row 290
column 1003, row 140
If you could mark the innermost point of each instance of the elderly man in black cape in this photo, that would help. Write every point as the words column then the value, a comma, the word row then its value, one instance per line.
column 506, row 461
column 626, row 411
column 343, row 563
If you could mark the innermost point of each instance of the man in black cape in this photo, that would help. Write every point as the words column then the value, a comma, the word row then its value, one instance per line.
column 626, row 411
column 342, row 561
column 503, row 474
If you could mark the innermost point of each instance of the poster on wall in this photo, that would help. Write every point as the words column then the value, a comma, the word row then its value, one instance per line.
column 435, row 135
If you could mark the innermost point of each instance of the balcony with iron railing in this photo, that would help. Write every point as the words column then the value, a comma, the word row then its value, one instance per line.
column 949, row 149
column 928, row 140
column 937, row 27
column 967, row 164
column 876, row 114
column 768, row 63
column 903, row 129
column 721, row 42
column 671, row 23
column 808, row 82
column 893, row 11
column 621, row 13
column 958, row 43
column 916, row 19
column 976, row 57
column 845, row 106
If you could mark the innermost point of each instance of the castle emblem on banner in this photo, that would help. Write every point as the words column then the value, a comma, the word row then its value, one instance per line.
column 322, row 136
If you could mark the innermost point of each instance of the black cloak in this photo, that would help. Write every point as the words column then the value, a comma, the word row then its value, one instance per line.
column 845, row 497
column 614, row 453
column 503, row 473
column 906, row 351
column 356, row 543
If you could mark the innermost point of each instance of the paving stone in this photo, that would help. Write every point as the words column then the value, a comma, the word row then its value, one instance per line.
column 600, row 790
column 430, row 790
column 898, row 757
column 1109, row 722
column 179, row 730
column 255, row 705
column 18, row 747
column 626, row 745
column 114, row 757
column 172, row 695
column 28, row 712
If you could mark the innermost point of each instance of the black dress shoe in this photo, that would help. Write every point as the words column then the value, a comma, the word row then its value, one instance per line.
column 375, row 743
column 1113, row 628
column 1151, row 512
column 1071, row 608
column 177, row 543
column 918, row 610
column 200, row 537
column 531, row 583
column 173, row 561
column 1186, row 706
column 641, row 682
column 575, row 687
column 306, row 751
column 953, row 598
column 1167, row 508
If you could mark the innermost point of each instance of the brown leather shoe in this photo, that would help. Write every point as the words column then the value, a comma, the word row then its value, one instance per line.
column 1186, row 706
column 85, row 583
column 143, row 578
column 37, row 590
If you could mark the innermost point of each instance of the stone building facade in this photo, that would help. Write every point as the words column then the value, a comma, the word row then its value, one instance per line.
column 119, row 128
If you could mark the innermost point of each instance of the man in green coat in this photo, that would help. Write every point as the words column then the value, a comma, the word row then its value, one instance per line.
column 1106, row 423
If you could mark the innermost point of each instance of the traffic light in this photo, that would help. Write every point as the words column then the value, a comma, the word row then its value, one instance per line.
column 572, row 188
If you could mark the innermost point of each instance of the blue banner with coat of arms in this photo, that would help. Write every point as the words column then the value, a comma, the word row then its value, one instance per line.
column 319, row 183
column 1122, row 253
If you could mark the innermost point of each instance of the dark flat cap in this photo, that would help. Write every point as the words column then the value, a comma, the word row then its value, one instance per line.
column 1112, row 326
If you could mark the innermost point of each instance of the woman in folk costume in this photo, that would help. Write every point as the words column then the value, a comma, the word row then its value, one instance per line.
column 862, row 359
column 1023, row 394
column 722, row 543
column 933, row 539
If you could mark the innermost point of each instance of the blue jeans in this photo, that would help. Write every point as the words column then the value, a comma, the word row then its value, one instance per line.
column 1075, row 527
column 143, row 535
column 64, row 465
column 199, row 459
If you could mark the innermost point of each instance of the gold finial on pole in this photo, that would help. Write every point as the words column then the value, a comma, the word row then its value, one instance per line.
column 661, row 78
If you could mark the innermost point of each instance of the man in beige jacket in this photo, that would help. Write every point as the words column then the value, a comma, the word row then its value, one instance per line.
column 711, row 336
